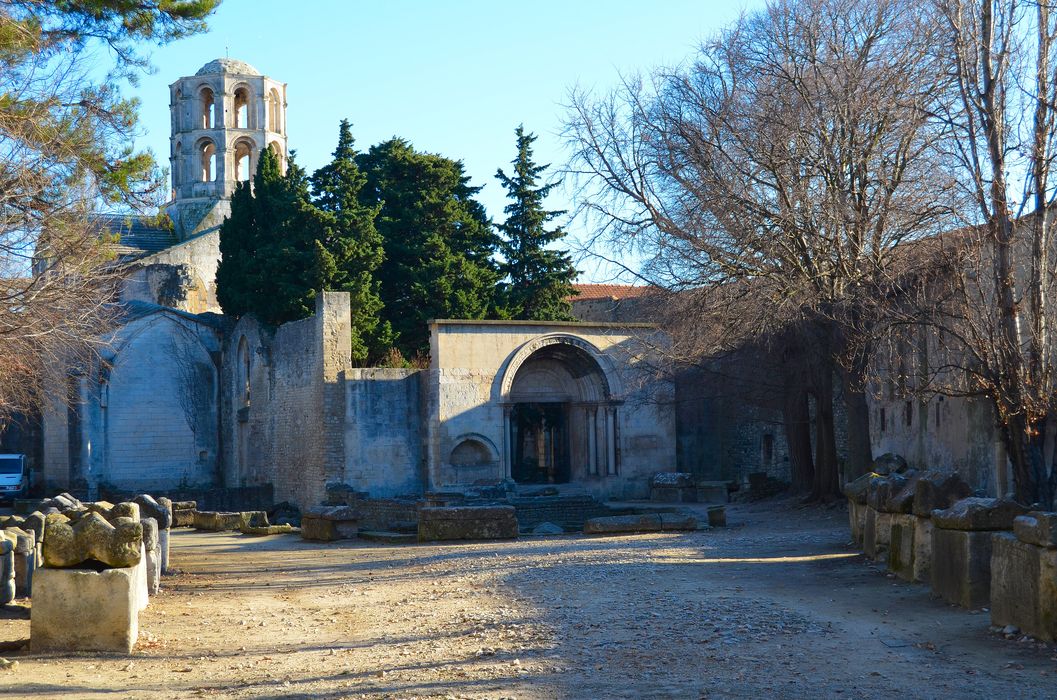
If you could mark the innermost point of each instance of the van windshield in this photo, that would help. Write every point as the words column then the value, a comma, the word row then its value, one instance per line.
column 10, row 465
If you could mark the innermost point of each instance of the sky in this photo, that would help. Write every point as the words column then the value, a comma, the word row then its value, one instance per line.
column 454, row 78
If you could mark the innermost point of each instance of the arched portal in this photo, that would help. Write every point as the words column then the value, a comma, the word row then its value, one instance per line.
column 560, row 417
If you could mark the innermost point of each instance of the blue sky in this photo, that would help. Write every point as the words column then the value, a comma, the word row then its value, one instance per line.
column 453, row 78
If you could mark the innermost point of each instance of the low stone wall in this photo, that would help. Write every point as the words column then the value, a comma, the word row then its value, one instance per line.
column 467, row 523
column 568, row 512
column 233, row 499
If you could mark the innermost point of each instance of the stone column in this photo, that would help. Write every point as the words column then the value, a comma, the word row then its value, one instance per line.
column 506, row 459
column 611, row 440
column 591, row 423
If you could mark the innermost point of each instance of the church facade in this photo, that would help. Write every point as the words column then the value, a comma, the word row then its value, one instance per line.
column 186, row 397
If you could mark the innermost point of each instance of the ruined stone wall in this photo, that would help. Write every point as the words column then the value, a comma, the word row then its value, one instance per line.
column 383, row 432
column 949, row 433
column 183, row 276
column 55, row 463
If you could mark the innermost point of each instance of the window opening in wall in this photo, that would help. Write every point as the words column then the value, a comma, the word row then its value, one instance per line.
column 908, row 413
column 208, row 109
column 273, row 111
column 768, row 449
column 209, row 162
column 242, row 108
column 243, row 161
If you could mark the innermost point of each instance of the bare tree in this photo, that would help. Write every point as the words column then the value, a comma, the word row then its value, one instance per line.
column 771, row 184
column 992, row 310
column 65, row 152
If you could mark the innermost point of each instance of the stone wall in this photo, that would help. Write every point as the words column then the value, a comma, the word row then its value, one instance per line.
column 383, row 444
column 182, row 277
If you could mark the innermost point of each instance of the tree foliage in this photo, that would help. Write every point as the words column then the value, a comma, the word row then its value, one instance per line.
column 439, row 243
column 66, row 150
column 538, row 277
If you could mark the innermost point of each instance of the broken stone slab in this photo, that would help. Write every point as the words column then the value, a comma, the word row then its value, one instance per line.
column 889, row 463
column 439, row 523
column 857, row 490
column 620, row 524
column 84, row 610
column 115, row 544
column 150, row 508
column 961, row 566
column 938, row 491
column 152, row 550
column 7, row 571
column 978, row 514
column 901, row 547
column 260, row 531
column 1037, row 528
column 922, row 549
column 1023, row 586
column 548, row 529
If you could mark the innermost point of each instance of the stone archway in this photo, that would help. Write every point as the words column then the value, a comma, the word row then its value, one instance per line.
column 560, row 413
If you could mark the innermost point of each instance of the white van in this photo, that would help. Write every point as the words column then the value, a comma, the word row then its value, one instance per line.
column 14, row 482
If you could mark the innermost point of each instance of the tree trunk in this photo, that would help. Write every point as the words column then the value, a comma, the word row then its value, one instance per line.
column 826, row 486
column 796, row 419
column 857, row 410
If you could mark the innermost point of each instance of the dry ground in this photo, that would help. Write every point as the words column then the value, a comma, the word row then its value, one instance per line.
column 776, row 605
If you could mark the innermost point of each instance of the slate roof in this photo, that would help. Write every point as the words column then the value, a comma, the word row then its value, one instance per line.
column 138, row 236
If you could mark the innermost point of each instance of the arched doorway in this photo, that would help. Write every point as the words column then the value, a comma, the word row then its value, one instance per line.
column 560, row 417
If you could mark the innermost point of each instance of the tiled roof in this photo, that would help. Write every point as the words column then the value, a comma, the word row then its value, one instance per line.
column 137, row 235
column 611, row 292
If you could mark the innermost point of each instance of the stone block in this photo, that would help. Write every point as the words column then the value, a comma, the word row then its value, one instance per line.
column 922, row 549
column 717, row 516
column 285, row 529
column 35, row 522
column 961, row 566
column 84, row 610
column 152, row 550
column 7, row 571
column 901, row 548
column 1037, row 528
column 858, row 489
column 151, row 508
column 938, row 491
column 978, row 514
column 183, row 517
column 226, row 522
column 857, row 521
column 254, row 518
column 620, row 524
column 163, row 546
column 204, row 520
column 901, row 495
column 881, row 491
column 185, row 505
column 1017, row 588
column 115, row 544
column 467, row 523
column 678, row 521
column 889, row 463
column 877, row 534
column 673, row 494
column 316, row 528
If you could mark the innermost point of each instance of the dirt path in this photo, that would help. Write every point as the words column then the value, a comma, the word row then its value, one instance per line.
column 776, row 605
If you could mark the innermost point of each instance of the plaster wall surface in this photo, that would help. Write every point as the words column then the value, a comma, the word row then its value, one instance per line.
column 182, row 277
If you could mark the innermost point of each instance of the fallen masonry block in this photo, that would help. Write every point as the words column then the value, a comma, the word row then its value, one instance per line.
column 219, row 522
column 84, row 610
column 7, row 571
column 961, row 566
column 922, row 549
column 1024, row 586
column 269, row 530
column 877, row 534
column 673, row 487
column 717, row 516
column 979, row 514
column 937, row 491
column 620, row 524
column 1037, row 528
column 901, row 548
column 329, row 523
column 116, row 544
column 150, row 508
column 467, row 523
column 183, row 517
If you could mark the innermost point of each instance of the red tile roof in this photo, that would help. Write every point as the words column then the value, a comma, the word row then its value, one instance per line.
column 612, row 292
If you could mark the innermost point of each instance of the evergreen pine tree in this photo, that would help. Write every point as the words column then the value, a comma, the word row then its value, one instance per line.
column 268, row 252
column 439, row 243
column 538, row 279
column 350, row 248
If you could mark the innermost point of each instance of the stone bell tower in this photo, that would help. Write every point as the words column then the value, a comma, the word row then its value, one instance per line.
column 222, row 116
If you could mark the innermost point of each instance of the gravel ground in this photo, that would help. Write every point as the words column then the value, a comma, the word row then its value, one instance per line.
column 776, row 605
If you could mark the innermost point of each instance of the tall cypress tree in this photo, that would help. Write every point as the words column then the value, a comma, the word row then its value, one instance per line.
column 538, row 279
column 350, row 248
column 439, row 243
column 268, row 246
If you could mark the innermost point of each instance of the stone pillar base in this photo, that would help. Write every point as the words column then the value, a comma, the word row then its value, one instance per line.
column 922, row 549
column 1024, row 586
column 901, row 548
column 84, row 610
